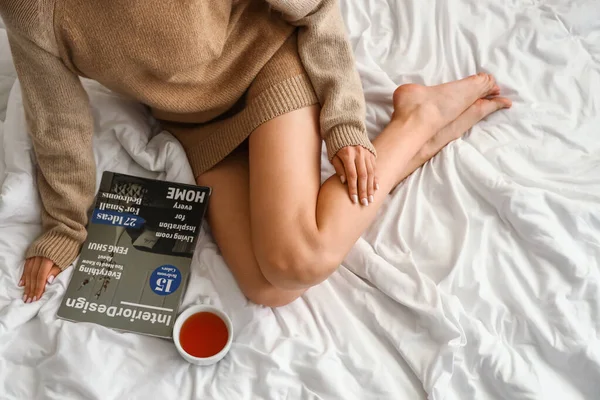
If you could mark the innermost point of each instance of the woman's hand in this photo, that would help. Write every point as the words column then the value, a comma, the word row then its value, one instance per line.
column 355, row 165
column 37, row 273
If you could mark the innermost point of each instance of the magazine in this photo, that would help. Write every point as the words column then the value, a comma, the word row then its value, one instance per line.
column 135, row 264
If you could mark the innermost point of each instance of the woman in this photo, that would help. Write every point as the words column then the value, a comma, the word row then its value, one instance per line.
column 250, row 88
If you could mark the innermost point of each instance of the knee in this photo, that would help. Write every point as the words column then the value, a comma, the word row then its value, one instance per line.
column 296, row 266
column 269, row 296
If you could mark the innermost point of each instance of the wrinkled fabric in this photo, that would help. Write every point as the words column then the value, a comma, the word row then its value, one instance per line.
column 479, row 278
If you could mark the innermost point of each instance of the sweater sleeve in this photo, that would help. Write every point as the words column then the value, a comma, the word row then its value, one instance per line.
column 61, row 127
column 329, row 62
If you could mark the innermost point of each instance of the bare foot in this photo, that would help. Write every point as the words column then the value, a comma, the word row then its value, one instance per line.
column 455, row 129
column 475, row 113
column 437, row 106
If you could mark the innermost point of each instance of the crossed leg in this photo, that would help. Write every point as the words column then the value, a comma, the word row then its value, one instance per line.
column 279, row 230
column 229, row 220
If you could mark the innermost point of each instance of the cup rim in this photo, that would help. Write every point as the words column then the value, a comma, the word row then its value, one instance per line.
column 197, row 309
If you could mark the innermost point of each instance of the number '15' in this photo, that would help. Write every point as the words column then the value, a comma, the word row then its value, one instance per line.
column 163, row 285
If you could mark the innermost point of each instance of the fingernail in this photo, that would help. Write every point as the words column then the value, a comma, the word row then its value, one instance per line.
column 371, row 199
column 21, row 282
column 24, row 298
column 343, row 179
column 34, row 298
column 50, row 279
column 28, row 300
column 365, row 202
column 355, row 199
column 377, row 186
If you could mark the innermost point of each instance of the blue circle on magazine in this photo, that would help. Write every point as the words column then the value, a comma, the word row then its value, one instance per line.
column 165, row 280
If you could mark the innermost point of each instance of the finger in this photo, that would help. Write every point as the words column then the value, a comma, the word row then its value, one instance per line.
column 375, row 177
column 25, row 269
column 41, row 277
column 339, row 168
column 25, row 277
column 351, row 174
column 371, row 179
column 53, row 273
column 363, row 179
column 27, row 273
column 33, row 278
column 30, row 284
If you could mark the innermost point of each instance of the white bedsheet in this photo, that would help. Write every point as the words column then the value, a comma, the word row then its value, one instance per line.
column 479, row 279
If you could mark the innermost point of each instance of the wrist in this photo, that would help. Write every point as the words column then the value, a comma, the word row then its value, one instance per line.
column 342, row 136
column 60, row 248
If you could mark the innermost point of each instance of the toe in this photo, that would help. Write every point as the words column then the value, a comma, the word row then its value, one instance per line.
column 495, row 91
column 498, row 103
column 485, row 107
column 506, row 103
column 486, row 82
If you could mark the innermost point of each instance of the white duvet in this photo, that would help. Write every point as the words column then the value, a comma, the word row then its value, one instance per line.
column 479, row 279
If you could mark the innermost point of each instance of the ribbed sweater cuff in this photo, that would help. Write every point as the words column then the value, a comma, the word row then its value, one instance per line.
column 344, row 135
column 62, row 250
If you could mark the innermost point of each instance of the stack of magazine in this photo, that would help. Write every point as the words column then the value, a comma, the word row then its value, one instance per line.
column 135, row 263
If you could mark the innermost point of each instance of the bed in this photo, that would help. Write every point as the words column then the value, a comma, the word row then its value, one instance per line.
column 478, row 280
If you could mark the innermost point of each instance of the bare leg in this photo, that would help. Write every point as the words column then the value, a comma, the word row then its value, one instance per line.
column 229, row 214
column 229, row 219
column 301, row 232
column 454, row 130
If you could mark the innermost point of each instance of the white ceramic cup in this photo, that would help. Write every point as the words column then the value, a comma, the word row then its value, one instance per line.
column 198, row 309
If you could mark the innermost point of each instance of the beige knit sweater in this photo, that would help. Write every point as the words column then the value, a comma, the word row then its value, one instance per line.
column 181, row 58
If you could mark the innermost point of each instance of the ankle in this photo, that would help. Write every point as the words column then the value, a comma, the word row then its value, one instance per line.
column 429, row 150
column 426, row 152
column 416, row 103
column 415, row 125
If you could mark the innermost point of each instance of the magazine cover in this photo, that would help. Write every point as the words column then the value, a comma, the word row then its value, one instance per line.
column 135, row 263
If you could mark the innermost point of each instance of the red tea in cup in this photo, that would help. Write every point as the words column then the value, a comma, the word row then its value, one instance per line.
column 203, row 335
